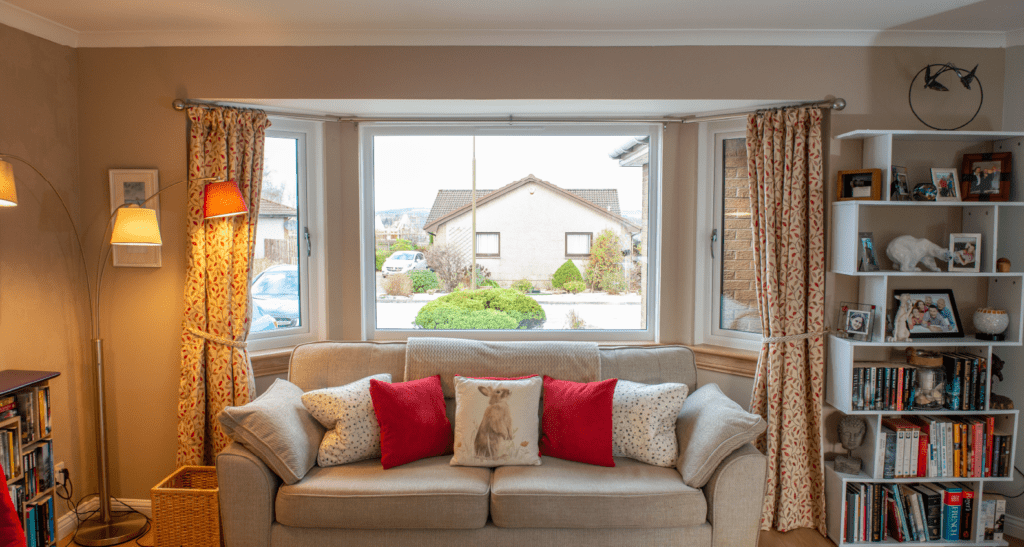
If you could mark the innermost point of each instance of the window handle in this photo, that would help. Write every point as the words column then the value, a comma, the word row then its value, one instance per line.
column 714, row 239
column 309, row 246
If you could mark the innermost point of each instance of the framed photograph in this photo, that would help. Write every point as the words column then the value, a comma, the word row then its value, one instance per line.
column 859, row 184
column 946, row 186
column 986, row 177
column 966, row 251
column 900, row 187
column 855, row 320
column 932, row 313
column 866, row 259
column 135, row 186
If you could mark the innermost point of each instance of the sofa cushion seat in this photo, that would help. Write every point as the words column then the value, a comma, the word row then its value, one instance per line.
column 565, row 494
column 427, row 493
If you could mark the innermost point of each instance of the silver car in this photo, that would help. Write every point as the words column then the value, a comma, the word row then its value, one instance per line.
column 403, row 262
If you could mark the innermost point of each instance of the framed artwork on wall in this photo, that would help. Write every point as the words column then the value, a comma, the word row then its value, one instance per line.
column 135, row 186
column 986, row 177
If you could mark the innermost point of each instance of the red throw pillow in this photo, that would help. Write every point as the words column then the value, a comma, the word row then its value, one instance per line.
column 412, row 421
column 11, row 534
column 577, row 421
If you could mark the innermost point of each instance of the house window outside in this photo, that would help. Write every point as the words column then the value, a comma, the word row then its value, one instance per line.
column 488, row 244
column 577, row 245
column 544, row 194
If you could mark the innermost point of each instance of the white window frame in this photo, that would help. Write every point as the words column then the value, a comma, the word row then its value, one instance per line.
column 369, row 130
column 710, row 198
column 495, row 255
column 309, row 137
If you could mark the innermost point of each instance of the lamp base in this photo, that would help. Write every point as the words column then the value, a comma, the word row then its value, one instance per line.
column 96, row 533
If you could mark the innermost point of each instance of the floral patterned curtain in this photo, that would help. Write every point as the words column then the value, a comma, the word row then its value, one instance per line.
column 787, row 203
column 225, row 143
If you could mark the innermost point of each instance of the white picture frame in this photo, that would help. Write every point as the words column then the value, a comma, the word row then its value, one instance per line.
column 966, row 251
column 128, row 186
column 947, row 187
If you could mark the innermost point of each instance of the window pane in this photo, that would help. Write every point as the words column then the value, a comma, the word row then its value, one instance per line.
column 738, row 298
column 275, row 286
column 539, row 197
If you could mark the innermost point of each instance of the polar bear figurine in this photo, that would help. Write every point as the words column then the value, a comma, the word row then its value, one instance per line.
column 906, row 251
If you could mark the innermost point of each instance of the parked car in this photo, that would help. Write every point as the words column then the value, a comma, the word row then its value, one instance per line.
column 275, row 291
column 261, row 320
column 403, row 262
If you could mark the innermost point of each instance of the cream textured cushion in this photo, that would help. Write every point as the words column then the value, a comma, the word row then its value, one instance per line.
column 347, row 411
column 496, row 422
column 644, row 421
column 278, row 429
column 710, row 427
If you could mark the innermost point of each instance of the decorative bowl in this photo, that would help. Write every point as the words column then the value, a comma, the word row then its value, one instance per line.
column 925, row 191
column 991, row 323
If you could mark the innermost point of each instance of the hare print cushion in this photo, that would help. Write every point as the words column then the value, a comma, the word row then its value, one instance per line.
column 496, row 421
column 644, row 421
column 347, row 412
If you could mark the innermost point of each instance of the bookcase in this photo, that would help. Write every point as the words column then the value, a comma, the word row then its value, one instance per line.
column 1000, row 224
column 26, row 451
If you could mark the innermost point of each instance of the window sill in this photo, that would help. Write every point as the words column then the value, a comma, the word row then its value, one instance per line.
column 270, row 362
column 733, row 361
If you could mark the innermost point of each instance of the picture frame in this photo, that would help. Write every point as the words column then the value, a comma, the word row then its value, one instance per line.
column 856, row 320
column 947, row 188
column 864, row 184
column 922, row 322
column 135, row 186
column 900, row 185
column 966, row 251
column 986, row 177
column 867, row 260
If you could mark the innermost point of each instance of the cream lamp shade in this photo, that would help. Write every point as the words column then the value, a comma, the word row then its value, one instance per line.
column 136, row 225
column 8, row 194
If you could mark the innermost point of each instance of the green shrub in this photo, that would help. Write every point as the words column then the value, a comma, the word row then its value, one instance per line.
column 423, row 280
column 523, row 285
column 566, row 272
column 574, row 321
column 482, row 309
column 614, row 281
column 575, row 286
column 402, row 245
column 381, row 256
column 398, row 285
column 604, row 262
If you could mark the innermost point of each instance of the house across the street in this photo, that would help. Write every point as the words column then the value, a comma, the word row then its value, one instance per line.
column 527, row 229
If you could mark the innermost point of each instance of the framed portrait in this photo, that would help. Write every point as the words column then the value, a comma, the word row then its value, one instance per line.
column 867, row 261
column 855, row 320
column 900, row 186
column 946, row 186
column 966, row 251
column 135, row 186
column 986, row 177
column 932, row 313
column 859, row 184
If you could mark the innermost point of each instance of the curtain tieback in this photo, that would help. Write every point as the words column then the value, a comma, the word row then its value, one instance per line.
column 792, row 337
column 222, row 341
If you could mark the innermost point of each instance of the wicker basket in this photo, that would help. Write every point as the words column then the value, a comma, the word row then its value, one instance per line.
column 186, row 511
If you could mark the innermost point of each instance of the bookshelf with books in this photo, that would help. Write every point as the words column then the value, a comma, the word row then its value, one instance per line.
column 26, row 451
column 934, row 438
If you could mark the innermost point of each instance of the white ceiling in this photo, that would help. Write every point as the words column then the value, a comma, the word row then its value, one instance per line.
column 130, row 23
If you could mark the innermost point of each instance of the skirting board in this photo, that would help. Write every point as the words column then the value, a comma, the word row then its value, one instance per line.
column 1013, row 526
column 66, row 525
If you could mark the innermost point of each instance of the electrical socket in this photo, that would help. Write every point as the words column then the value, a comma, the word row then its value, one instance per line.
column 58, row 474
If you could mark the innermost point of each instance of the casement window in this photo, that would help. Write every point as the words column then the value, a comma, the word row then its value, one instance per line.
column 727, row 313
column 286, row 268
column 544, row 193
column 488, row 244
column 577, row 245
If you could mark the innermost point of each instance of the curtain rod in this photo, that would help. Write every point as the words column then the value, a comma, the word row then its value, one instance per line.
column 834, row 104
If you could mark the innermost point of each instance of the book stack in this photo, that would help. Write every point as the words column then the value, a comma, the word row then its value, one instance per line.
column 17, row 492
column 877, row 512
column 9, row 459
column 38, row 466
column 993, row 516
column 890, row 387
column 938, row 446
column 39, row 523
column 8, row 407
column 966, row 378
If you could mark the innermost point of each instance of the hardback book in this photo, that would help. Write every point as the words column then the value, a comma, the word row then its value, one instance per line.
column 998, row 515
column 915, row 516
column 966, row 511
column 932, row 501
column 901, row 514
column 875, row 515
column 857, row 399
column 851, row 513
column 990, row 430
column 888, row 461
column 951, row 501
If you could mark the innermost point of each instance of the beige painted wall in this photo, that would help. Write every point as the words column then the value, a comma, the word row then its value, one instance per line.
column 44, row 317
column 125, row 120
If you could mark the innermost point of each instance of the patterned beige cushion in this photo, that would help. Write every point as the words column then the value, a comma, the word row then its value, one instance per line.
column 710, row 427
column 278, row 429
column 644, row 421
column 496, row 422
column 347, row 411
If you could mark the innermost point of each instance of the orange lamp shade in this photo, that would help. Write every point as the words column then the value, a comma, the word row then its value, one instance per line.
column 8, row 194
column 223, row 199
column 135, row 225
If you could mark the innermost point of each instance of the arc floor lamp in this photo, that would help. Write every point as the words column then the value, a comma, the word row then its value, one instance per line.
column 132, row 225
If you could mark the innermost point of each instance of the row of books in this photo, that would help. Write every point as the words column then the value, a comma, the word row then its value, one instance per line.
column 966, row 378
column 33, row 406
column 40, row 524
column 919, row 512
column 892, row 388
column 38, row 466
column 940, row 446
column 9, row 460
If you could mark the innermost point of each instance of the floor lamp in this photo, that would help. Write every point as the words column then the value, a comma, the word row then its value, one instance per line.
column 132, row 225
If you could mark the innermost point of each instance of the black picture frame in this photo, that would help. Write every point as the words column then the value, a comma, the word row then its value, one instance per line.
column 930, row 299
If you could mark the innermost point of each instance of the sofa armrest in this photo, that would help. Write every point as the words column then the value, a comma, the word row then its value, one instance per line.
column 247, row 492
column 735, row 497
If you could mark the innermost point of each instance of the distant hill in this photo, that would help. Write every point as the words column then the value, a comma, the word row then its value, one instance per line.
column 418, row 215
column 636, row 215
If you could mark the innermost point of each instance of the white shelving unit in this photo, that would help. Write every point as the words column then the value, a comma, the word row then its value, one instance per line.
column 1001, row 225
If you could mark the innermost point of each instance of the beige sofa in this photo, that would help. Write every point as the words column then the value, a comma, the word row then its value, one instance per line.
column 428, row 502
